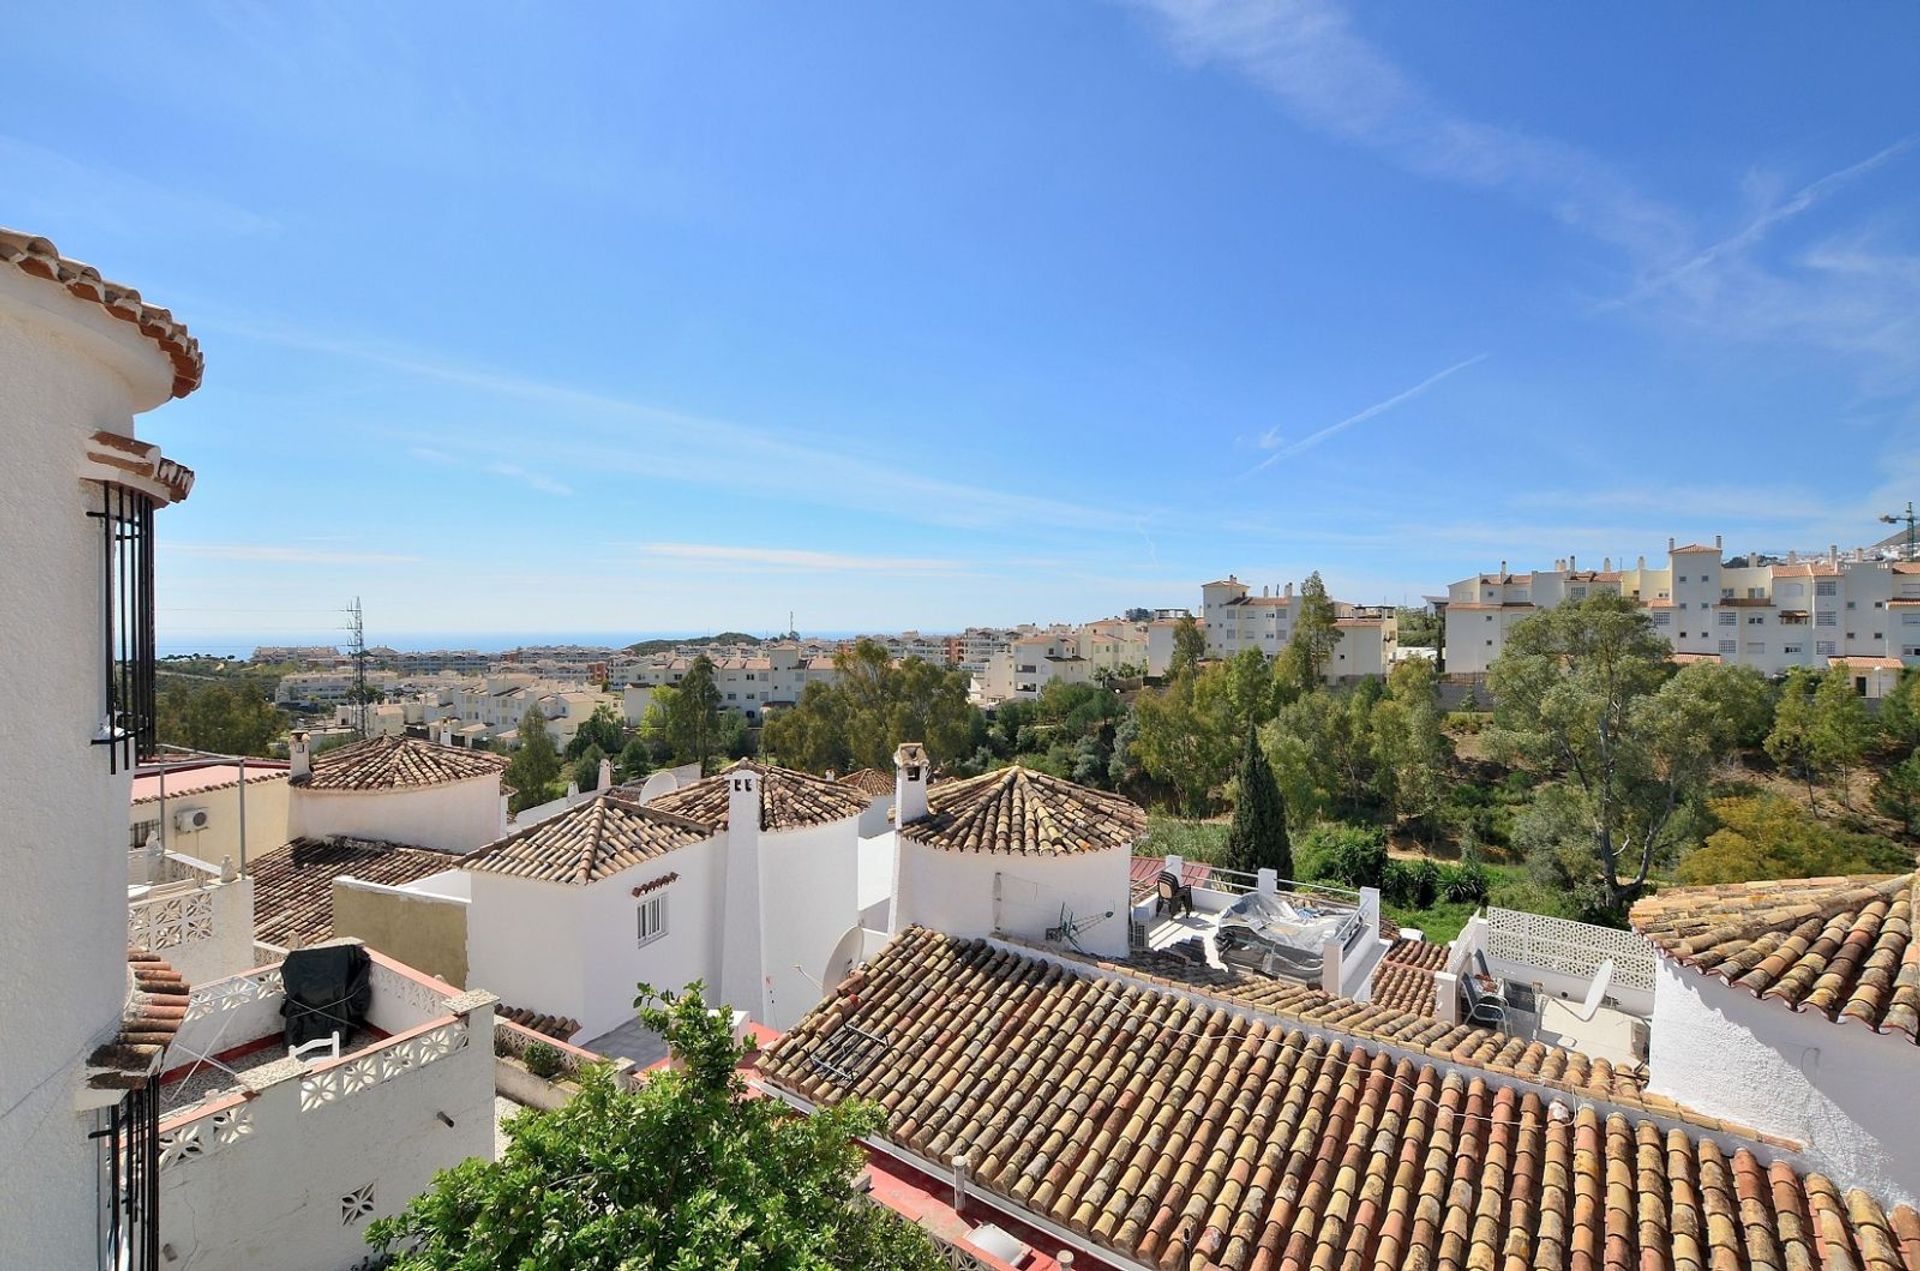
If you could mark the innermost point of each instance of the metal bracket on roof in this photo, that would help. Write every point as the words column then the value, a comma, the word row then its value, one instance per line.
column 846, row 1055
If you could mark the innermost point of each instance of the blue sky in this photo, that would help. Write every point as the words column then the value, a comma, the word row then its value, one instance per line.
column 554, row 318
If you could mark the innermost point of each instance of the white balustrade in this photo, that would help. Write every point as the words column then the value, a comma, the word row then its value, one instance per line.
column 1575, row 949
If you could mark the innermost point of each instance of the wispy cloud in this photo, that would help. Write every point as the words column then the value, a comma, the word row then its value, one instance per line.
column 535, row 480
column 1271, row 440
column 610, row 433
column 282, row 555
column 785, row 558
column 440, row 458
column 56, row 188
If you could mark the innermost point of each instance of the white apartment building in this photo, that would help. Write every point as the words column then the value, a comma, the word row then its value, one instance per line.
column 329, row 688
column 1769, row 613
column 1233, row 619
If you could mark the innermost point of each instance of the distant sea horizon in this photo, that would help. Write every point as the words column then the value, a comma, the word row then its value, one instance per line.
column 242, row 645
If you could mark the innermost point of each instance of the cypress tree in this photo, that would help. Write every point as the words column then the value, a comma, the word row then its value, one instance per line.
column 1257, row 838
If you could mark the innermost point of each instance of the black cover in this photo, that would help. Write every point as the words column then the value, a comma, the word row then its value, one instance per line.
column 329, row 990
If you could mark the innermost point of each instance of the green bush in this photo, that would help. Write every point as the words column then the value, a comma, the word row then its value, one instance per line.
column 1351, row 855
column 542, row 1060
column 1466, row 883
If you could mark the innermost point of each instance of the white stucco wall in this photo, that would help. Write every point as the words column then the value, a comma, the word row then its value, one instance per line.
column 809, row 897
column 457, row 817
column 575, row 951
column 67, row 370
column 953, row 892
column 1844, row 1091
column 266, row 821
column 205, row 932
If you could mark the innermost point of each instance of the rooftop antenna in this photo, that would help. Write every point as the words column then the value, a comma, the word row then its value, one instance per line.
column 1907, row 519
column 356, row 629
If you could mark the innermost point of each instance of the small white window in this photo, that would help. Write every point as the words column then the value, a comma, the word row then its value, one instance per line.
column 652, row 918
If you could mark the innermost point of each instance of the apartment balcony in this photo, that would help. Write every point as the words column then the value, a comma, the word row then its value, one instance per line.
column 262, row 1150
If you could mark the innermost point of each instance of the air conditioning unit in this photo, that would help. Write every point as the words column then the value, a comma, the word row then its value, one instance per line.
column 191, row 819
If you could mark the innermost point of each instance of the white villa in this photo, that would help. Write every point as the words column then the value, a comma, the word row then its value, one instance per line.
column 1233, row 618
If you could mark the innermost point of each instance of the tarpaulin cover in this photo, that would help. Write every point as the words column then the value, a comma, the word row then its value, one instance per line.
column 329, row 990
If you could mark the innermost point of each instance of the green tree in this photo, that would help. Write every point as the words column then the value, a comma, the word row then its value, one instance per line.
column 1250, row 688
column 1257, row 837
column 1842, row 731
column 1584, row 692
column 636, row 760
column 1189, row 647
column 1184, row 736
column 685, row 1172
column 1900, row 710
column 602, row 728
column 1321, row 764
column 228, row 718
column 1790, row 743
column 1897, row 793
column 1410, row 749
column 586, row 768
column 692, row 714
column 872, row 706
column 1768, row 836
column 535, row 764
column 1310, row 649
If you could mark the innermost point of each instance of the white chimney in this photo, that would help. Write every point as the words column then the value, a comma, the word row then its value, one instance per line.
column 909, row 783
column 1573, row 562
column 1606, row 564
column 1716, row 541
column 1670, row 542
column 1503, row 569
column 300, row 758
column 446, row 732
column 743, row 974
column 1289, row 591
column 1641, row 563
column 605, row 781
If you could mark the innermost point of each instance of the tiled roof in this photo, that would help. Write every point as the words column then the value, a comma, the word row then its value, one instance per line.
column 1843, row 947
column 1692, row 547
column 1020, row 811
column 592, row 840
column 1179, row 1134
column 34, row 255
column 1404, row 979
column 293, row 888
column 398, row 763
column 204, row 779
column 1860, row 662
column 870, row 781
column 558, row 1027
column 156, row 1006
column 1143, row 875
column 789, row 799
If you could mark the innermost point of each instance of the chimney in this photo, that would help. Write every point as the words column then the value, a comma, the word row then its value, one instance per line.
column 1606, row 564
column 1289, row 591
column 1573, row 562
column 1833, row 554
column 605, row 780
column 446, row 732
column 1263, row 591
column 1503, row 569
column 743, row 973
column 1642, row 563
column 300, row 758
column 1716, row 542
column 1560, row 565
column 1670, row 542
column 909, row 783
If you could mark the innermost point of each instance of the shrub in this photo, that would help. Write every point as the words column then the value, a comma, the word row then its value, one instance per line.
column 1411, row 884
column 1351, row 855
column 1466, row 883
column 542, row 1060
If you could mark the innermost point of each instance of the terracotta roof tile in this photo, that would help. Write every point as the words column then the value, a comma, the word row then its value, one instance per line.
column 1020, row 811
column 293, row 888
column 594, row 839
column 1180, row 1134
column 870, row 781
column 789, row 799
column 398, row 763
column 1843, row 947
column 558, row 1027
column 155, row 1008
column 34, row 255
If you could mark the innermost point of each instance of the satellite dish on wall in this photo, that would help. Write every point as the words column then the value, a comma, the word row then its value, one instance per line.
column 659, row 783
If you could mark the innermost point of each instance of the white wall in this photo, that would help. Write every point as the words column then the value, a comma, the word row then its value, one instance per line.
column 67, row 370
column 809, row 896
column 204, row 932
column 1841, row 1089
column 457, row 817
column 575, row 951
column 875, row 820
column 953, row 892
column 271, row 1199
column 266, row 821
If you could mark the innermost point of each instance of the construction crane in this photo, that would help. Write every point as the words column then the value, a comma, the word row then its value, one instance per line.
column 1906, row 519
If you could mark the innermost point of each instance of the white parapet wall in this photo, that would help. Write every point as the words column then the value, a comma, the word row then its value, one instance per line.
column 203, row 927
column 285, row 1172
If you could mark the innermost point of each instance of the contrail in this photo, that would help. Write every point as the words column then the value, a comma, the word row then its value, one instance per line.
column 1378, row 408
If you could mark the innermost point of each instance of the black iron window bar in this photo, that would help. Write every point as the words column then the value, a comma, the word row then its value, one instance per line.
column 126, row 537
column 130, row 1230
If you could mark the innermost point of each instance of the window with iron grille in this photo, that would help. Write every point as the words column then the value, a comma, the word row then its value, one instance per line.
column 129, row 1141
column 127, row 654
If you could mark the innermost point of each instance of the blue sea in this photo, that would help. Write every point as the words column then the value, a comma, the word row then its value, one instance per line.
column 242, row 645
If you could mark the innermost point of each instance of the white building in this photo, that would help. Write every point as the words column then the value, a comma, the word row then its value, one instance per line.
column 1013, row 851
column 200, row 808
column 79, row 358
column 1233, row 619
column 397, row 789
column 1769, row 613
column 1793, row 1007
column 275, row 1163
